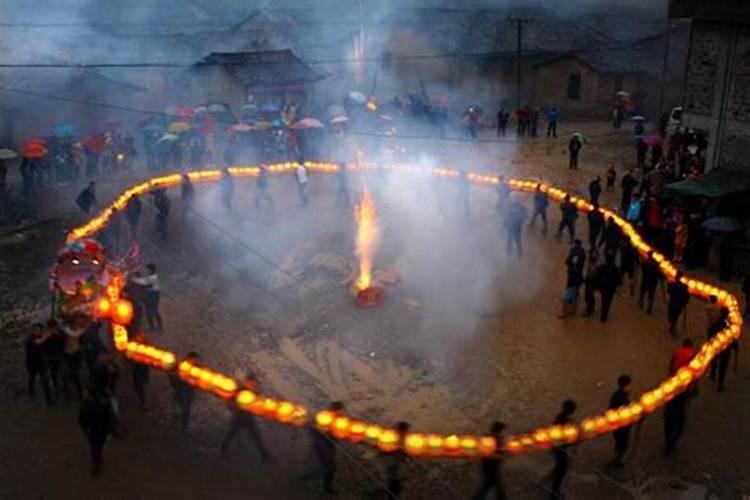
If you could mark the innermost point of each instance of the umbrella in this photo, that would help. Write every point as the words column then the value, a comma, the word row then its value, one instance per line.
column 261, row 125
column 66, row 130
column 654, row 140
column 34, row 150
column 168, row 138
column 241, row 128
column 622, row 93
column 269, row 108
column 358, row 97
column 442, row 101
column 94, row 143
column 722, row 224
column 8, row 154
column 201, row 109
column 638, row 118
column 249, row 109
column 217, row 107
column 339, row 119
column 336, row 110
column 387, row 118
column 178, row 127
column 152, row 129
column 185, row 112
column 307, row 123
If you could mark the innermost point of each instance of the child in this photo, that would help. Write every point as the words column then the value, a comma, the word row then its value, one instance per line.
column 611, row 176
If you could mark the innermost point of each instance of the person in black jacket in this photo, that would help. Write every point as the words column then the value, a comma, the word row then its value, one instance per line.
column 595, row 190
column 609, row 278
column 560, row 453
column 679, row 296
column 394, row 463
column 591, row 283
column 87, row 198
column 324, row 449
column 569, row 215
column 244, row 421
column 650, row 277
column 541, row 202
column 36, row 365
column 183, row 395
column 133, row 214
column 96, row 421
column 574, row 148
column 596, row 225
column 621, row 397
column 490, row 472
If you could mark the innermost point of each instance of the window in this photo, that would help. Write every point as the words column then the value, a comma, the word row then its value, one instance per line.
column 619, row 82
column 574, row 87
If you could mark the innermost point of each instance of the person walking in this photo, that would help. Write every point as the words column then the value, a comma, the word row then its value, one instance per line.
column 675, row 417
column 553, row 116
column 53, row 351
column 394, row 463
column 679, row 296
column 595, row 190
column 184, row 394
column 628, row 263
column 570, row 295
column 620, row 398
column 650, row 278
column 641, row 148
column 133, row 214
column 490, row 468
column 576, row 256
column 502, row 122
column 611, row 178
column 591, row 283
column 301, row 176
column 263, row 184
column 596, row 225
column 628, row 184
column 152, row 297
column 560, row 452
column 324, row 449
column 226, row 186
column 140, row 374
column 612, row 237
column 503, row 195
column 541, row 202
column 187, row 195
column 681, row 357
column 342, row 192
column 609, row 278
column 72, row 355
column 513, row 225
column 574, row 148
column 36, row 366
column 86, row 199
column 569, row 215
column 97, row 422
column 241, row 420
column 162, row 205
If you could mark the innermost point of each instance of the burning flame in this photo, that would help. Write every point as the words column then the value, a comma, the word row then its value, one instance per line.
column 365, row 216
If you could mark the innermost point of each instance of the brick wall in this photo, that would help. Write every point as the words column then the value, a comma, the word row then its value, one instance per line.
column 739, row 99
column 551, row 86
column 704, row 64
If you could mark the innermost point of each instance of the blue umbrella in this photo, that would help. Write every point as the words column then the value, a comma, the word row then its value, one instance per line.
column 722, row 224
column 66, row 130
column 269, row 108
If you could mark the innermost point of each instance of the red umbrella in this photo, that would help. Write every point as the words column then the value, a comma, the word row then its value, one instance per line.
column 94, row 143
column 307, row 123
column 185, row 112
column 241, row 128
column 34, row 150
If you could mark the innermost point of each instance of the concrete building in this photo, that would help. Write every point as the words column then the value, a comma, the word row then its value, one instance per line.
column 717, row 81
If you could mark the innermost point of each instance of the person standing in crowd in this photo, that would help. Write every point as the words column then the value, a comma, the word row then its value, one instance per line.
column 560, row 452
column 140, row 374
column 534, row 121
column 262, row 186
column 300, row 174
column 97, row 423
column 596, row 225
column 541, row 202
column 681, row 357
column 395, row 461
column 161, row 204
column 133, row 214
column 712, row 311
column 628, row 263
column 28, row 179
column 187, row 195
column 324, row 449
column 574, row 148
column 226, row 186
column 502, row 122
column 553, row 116
column 609, row 278
column 595, row 190
column 570, row 295
column 184, row 394
column 611, row 178
column 72, row 354
column 591, row 283
column 720, row 364
column 522, row 121
column 503, row 195
column 679, row 296
column 675, row 417
column 243, row 421
column 87, row 198
column 53, row 350
column 152, row 297
column 680, row 238
column 612, row 237
column 635, row 209
column 569, row 215
column 490, row 468
column 620, row 398
column 342, row 192
column 650, row 277
column 35, row 362
column 576, row 256
column 513, row 225
column 628, row 184
column 641, row 148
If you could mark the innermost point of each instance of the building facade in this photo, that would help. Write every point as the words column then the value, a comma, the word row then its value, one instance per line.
column 717, row 81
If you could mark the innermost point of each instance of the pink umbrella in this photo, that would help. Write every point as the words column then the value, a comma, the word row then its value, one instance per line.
column 339, row 119
column 654, row 140
column 241, row 128
column 306, row 123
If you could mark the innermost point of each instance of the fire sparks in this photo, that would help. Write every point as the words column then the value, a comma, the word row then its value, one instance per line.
column 365, row 216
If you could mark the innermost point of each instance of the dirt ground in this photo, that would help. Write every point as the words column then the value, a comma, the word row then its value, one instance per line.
column 469, row 335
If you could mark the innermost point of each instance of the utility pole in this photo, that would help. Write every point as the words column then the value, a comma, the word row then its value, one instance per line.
column 664, row 68
column 520, row 21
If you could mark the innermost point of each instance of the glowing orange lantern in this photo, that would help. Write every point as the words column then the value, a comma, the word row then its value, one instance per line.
column 357, row 431
column 451, row 444
column 103, row 308
column 373, row 432
column 487, row 445
column 388, row 440
column 415, row 444
column 123, row 312
column 340, row 428
column 324, row 419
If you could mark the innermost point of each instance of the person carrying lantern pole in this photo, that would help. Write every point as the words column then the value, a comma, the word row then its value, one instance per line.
column 609, row 279
column 679, row 296
column 560, row 452
column 184, row 394
column 140, row 375
column 591, row 283
column 262, row 184
column 87, row 198
column 324, row 449
column 650, row 278
column 394, row 463
column 620, row 398
column 569, row 215
column 301, row 176
column 490, row 472
column 187, row 195
column 97, row 423
column 244, row 421
column 133, row 214
column 513, row 225
column 226, row 186
column 596, row 226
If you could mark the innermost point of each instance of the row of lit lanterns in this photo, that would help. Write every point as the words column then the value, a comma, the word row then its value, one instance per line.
column 120, row 313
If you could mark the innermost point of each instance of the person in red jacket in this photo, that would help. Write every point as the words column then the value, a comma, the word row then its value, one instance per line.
column 681, row 356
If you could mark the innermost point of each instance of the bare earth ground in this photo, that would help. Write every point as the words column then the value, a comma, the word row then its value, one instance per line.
column 469, row 336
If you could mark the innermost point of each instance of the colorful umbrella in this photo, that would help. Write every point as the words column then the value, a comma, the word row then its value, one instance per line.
column 339, row 119
column 442, row 101
column 34, row 150
column 178, row 127
column 200, row 110
column 638, row 118
column 94, row 143
column 168, row 138
column 240, row 128
column 217, row 107
column 249, row 109
column 307, row 123
column 8, row 154
column 66, row 130
column 357, row 97
column 387, row 118
column 185, row 112
column 261, row 125
column 654, row 140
